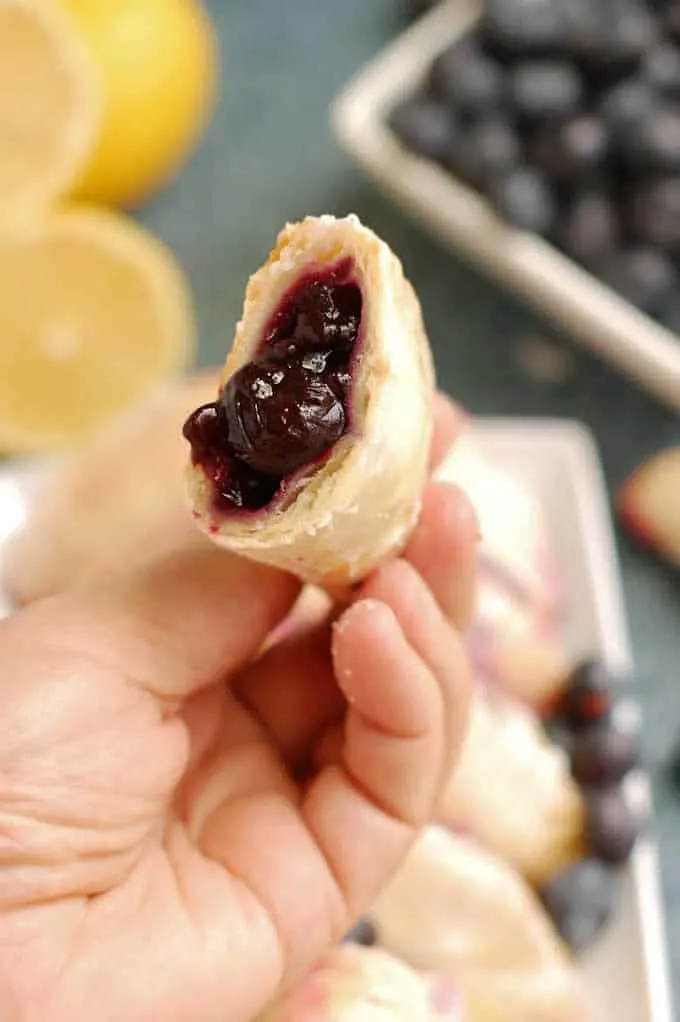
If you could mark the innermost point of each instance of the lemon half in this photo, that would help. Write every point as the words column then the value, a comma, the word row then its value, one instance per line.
column 93, row 312
column 50, row 105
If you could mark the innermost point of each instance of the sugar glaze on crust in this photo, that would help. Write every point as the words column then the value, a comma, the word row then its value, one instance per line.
column 338, row 521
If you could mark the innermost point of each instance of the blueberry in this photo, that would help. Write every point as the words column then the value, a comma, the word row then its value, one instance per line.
column 575, row 148
column 484, row 150
column 580, row 900
column 325, row 315
column 609, row 38
column 654, row 213
column 603, row 753
column 627, row 103
column 653, row 143
column 588, row 228
column 524, row 198
column 518, row 28
column 671, row 18
column 661, row 68
column 235, row 484
column 611, row 827
column 468, row 79
column 588, row 695
column 280, row 417
column 239, row 487
column 544, row 89
column 206, row 431
column 425, row 126
column 363, row 932
column 643, row 275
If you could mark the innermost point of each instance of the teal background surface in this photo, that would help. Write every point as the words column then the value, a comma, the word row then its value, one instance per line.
column 269, row 157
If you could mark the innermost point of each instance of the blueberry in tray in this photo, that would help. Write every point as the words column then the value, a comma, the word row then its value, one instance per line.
column 565, row 115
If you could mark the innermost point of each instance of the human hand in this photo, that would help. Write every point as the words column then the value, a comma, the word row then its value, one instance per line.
column 184, row 828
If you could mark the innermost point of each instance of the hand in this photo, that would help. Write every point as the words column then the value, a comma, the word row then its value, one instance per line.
column 183, row 827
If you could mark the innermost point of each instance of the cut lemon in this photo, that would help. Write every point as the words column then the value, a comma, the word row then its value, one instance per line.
column 158, row 61
column 50, row 104
column 93, row 311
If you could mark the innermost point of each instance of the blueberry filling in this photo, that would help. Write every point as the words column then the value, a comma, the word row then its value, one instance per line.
column 288, row 407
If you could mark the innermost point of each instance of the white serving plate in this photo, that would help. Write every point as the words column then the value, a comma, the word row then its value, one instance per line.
column 463, row 220
column 626, row 974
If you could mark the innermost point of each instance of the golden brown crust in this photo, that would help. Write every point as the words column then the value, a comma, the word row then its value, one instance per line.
column 359, row 507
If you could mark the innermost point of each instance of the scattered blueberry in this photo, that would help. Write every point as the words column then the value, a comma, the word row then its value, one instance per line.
column 611, row 827
column 654, row 213
column 545, row 89
column 580, row 900
column 588, row 696
column 644, row 276
column 524, row 198
column 588, row 229
column 363, row 932
column 424, row 125
column 468, row 79
column 603, row 753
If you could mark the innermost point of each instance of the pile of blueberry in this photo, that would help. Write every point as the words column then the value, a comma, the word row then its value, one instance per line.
column 565, row 114
column 590, row 723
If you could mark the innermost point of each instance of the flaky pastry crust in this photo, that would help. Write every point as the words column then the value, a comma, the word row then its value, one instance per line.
column 343, row 518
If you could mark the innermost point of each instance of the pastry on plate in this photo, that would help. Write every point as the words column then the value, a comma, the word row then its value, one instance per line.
column 114, row 502
column 514, row 640
column 458, row 911
column 357, row 984
column 511, row 646
column 315, row 454
column 513, row 791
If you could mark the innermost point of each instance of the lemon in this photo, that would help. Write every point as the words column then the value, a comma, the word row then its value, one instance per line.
column 93, row 311
column 50, row 104
column 158, row 63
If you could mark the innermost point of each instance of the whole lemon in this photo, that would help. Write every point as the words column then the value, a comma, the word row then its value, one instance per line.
column 158, row 60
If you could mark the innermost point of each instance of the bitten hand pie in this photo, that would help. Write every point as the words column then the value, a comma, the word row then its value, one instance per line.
column 314, row 456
